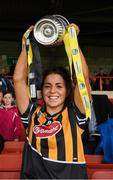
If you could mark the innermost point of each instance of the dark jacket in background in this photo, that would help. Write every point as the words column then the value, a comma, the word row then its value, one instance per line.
column 103, row 109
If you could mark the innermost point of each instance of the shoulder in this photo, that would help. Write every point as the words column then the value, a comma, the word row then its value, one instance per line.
column 76, row 116
column 30, row 109
column 73, row 108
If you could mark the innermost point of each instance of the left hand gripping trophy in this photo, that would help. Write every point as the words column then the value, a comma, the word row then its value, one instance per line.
column 54, row 30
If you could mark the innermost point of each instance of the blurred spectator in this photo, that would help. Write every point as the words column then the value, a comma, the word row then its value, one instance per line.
column 1, row 98
column 102, row 110
column 11, row 71
column 92, row 79
column 111, row 80
column 107, row 84
column 10, row 122
column 5, row 83
column 99, row 82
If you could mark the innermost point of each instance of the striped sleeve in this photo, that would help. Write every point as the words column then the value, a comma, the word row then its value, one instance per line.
column 80, row 117
column 25, row 117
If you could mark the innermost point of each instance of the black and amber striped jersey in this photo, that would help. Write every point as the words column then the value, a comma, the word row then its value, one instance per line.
column 55, row 141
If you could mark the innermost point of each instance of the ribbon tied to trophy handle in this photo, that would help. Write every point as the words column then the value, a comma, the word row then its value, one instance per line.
column 25, row 37
column 76, row 27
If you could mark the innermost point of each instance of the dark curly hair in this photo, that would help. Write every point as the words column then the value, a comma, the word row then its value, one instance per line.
column 65, row 74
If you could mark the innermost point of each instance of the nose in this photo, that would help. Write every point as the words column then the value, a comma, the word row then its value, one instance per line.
column 52, row 89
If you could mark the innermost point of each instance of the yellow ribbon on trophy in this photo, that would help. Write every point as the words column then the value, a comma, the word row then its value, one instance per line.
column 72, row 50
column 26, row 43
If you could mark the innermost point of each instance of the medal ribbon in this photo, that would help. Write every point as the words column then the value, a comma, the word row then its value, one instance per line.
column 72, row 50
column 26, row 43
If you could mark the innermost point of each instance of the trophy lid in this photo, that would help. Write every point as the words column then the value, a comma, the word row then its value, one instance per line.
column 50, row 29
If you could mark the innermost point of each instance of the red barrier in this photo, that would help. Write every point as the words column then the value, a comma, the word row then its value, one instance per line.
column 13, row 147
column 10, row 165
column 94, row 164
column 103, row 174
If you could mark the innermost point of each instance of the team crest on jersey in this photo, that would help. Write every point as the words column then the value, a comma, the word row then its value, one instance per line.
column 44, row 131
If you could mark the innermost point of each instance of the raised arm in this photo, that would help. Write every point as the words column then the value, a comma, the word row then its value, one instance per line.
column 77, row 97
column 20, row 82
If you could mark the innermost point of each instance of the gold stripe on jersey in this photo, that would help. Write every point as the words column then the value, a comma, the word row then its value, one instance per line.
column 38, row 145
column 31, row 129
column 38, row 140
column 80, row 147
column 52, row 148
column 67, row 136
column 42, row 118
column 32, row 125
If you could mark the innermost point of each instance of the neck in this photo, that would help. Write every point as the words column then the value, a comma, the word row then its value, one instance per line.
column 53, row 111
column 8, row 106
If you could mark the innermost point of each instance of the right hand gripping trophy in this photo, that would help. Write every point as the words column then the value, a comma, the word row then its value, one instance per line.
column 49, row 30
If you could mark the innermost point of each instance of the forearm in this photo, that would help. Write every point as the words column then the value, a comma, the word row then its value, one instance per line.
column 20, row 73
column 85, row 72
column 20, row 82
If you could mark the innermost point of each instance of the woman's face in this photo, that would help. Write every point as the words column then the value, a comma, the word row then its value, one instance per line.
column 54, row 93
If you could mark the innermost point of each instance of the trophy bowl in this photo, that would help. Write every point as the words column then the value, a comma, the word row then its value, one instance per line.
column 49, row 30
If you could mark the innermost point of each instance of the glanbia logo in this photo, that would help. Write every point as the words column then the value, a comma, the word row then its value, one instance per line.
column 42, row 131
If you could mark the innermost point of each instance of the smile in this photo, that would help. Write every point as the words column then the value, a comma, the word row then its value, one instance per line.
column 53, row 97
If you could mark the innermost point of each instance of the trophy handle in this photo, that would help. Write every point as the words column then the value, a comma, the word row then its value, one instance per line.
column 63, row 19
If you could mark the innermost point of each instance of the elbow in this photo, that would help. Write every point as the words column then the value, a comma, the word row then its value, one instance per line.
column 17, row 77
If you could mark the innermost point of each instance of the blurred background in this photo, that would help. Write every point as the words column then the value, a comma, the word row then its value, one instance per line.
column 95, row 19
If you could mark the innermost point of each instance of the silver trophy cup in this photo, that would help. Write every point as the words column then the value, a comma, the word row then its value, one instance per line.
column 49, row 30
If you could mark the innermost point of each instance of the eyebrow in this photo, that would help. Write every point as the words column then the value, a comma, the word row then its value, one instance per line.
column 58, row 83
